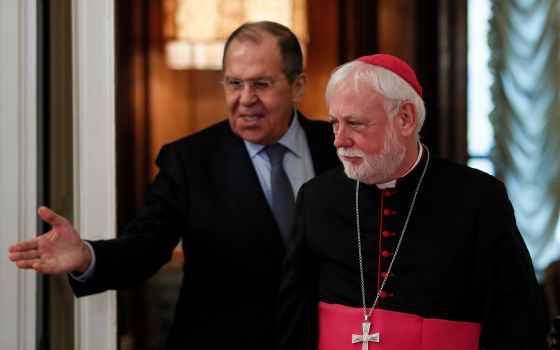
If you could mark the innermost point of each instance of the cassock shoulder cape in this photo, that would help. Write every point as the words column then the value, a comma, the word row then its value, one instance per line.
column 462, row 263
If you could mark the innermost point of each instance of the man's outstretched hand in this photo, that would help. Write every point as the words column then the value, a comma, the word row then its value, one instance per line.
column 59, row 250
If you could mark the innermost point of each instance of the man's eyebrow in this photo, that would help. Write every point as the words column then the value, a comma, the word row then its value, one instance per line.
column 348, row 117
column 265, row 77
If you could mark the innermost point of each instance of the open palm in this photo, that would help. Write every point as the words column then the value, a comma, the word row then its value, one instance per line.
column 57, row 251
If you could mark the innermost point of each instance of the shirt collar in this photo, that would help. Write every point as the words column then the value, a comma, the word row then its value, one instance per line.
column 292, row 140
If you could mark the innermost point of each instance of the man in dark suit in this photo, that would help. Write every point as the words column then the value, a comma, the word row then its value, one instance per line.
column 216, row 191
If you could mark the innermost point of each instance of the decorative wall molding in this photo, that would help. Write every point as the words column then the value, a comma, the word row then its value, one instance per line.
column 18, row 164
column 94, row 156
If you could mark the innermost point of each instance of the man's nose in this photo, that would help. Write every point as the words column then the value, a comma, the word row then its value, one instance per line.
column 342, row 138
column 247, row 95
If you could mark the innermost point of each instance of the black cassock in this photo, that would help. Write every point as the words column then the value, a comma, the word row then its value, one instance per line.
column 462, row 257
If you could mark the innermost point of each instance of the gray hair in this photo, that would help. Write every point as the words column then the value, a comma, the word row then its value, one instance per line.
column 290, row 51
column 393, row 88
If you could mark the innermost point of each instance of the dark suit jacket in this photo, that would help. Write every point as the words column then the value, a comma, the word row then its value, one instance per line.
column 207, row 193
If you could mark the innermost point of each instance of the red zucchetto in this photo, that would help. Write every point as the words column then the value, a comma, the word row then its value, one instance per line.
column 395, row 65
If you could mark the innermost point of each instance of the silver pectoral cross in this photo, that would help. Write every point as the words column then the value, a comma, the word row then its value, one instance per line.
column 365, row 338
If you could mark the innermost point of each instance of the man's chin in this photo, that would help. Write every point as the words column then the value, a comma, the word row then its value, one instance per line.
column 364, row 175
column 354, row 174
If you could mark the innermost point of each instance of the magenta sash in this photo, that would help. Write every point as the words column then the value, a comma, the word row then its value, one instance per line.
column 397, row 330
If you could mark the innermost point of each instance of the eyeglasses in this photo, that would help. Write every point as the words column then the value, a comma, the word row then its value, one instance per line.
column 258, row 86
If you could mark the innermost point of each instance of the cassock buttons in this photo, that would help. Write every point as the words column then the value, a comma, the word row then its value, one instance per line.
column 388, row 193
column 383, row 274
column 386, row 253
column 385, row 294
column 388, row 234
column 388, row 212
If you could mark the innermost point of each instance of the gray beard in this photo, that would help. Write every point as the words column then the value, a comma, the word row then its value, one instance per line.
column 375, row 169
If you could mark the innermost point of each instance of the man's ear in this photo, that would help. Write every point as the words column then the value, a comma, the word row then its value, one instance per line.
column 406, row 119
column 299, row 87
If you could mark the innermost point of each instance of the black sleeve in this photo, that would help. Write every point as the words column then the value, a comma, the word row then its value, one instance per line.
column 297, row 316
column 149, row 240
column 513, row 310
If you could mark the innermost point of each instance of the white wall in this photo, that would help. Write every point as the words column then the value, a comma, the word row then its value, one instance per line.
column 17, row 168
column 94, row 173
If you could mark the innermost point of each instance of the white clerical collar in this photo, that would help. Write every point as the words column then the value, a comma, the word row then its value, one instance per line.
column 393, row 183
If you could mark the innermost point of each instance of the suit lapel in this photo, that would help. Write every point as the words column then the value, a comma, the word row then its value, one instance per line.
column 240, row 182
column 242, row 185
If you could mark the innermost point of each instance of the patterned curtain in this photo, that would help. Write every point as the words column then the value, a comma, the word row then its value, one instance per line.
column 525, row 61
